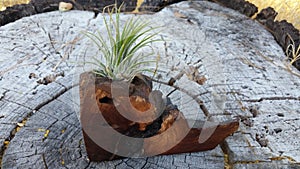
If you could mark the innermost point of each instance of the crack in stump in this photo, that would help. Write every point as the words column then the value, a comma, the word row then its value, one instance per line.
column 225, row 148
column 4, row 147
column 44, row 161
column 273, row 99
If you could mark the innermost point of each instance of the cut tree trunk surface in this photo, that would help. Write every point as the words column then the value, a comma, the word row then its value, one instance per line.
column 279, row 29
column 244, row 66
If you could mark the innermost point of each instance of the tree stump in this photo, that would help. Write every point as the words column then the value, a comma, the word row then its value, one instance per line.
column 244, row 67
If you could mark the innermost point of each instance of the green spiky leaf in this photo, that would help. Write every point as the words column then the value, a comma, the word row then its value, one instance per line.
column 120, row 57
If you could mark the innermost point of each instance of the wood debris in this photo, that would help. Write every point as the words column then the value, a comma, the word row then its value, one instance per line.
column 63, row 6
column 180, row 15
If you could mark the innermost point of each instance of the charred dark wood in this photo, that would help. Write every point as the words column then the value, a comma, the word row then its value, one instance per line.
column 242, row 6
column 283, row 31
column 156, row 5
column 16, row 12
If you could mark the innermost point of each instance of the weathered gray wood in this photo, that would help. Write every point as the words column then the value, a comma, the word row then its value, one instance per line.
column 243, row 64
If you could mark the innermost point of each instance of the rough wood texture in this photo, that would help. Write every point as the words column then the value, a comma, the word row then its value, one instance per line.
column 242, row 62
column 99, row 121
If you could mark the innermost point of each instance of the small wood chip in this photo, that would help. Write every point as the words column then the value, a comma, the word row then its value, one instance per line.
column 46, row 133
column 6, row 143
column 41, row 130
column 201, row 80
column 32, row 75
column 194, row 75
column 180, row 15
column 63, row 6
column 260, row 138
column 171, row 81
column 254, row 111
column 50, row 78
column 20, row 124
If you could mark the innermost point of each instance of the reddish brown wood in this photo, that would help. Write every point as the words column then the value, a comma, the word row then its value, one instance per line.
column 173, row 136
column 191, row 143
column 98, row 89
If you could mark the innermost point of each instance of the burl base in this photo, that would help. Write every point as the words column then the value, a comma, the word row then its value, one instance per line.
column 171, row 133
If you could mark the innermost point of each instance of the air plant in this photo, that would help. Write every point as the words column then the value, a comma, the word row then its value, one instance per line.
column 120, row 55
